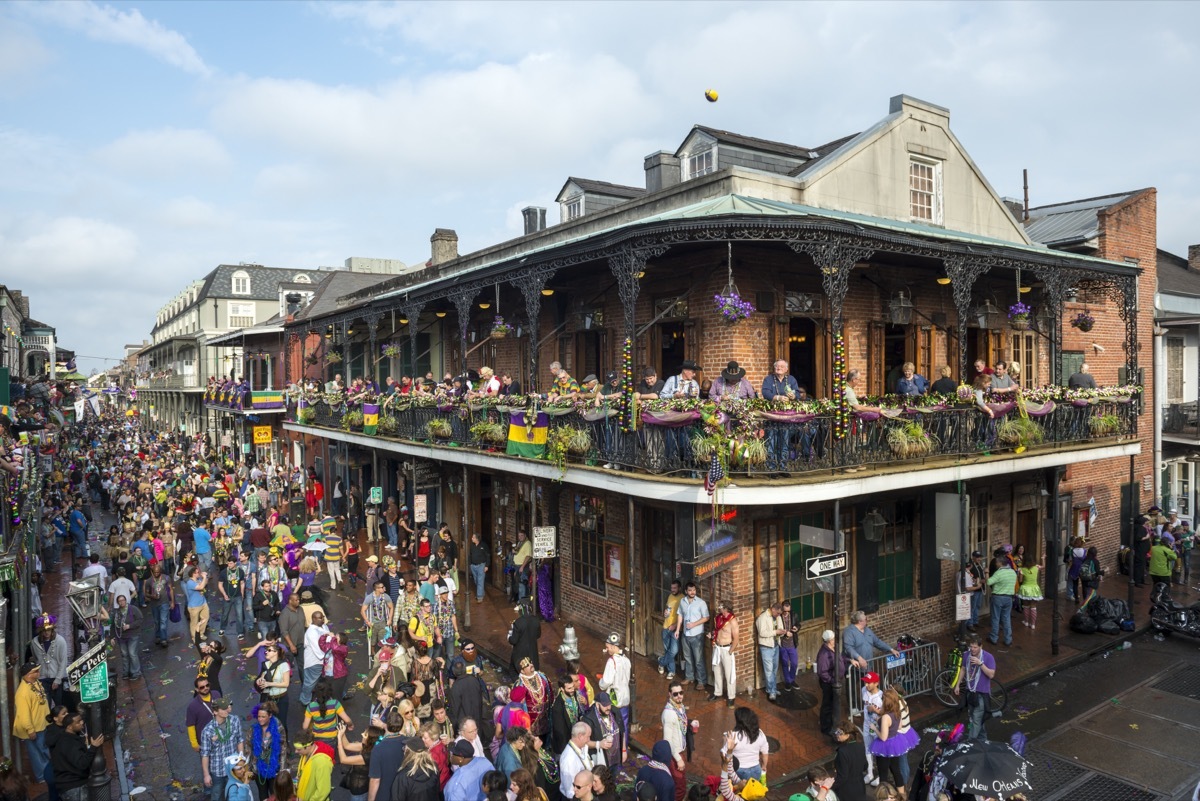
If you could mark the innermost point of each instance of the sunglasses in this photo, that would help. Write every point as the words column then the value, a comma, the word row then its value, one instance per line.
column 581, row 786
column 678, row 694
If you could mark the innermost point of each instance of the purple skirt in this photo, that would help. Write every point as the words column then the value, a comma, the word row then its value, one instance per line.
column 896, row 745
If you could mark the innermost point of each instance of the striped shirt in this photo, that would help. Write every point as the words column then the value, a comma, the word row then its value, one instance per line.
column 323, row 726
column 333, row 547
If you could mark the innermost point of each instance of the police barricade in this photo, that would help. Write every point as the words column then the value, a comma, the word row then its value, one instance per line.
column 911, row 673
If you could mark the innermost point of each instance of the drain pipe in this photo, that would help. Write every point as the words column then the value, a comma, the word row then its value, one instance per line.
column 1159, row 383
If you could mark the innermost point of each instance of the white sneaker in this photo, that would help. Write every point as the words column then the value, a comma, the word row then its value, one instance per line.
column 661, row 670
column 874, row 782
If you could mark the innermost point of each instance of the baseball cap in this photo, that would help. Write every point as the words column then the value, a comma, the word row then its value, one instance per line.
column 372, row 558
column 219, row 703
column 870, row 678
column 461, row 748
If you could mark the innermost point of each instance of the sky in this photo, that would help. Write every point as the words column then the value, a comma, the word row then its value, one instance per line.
column 142, row 144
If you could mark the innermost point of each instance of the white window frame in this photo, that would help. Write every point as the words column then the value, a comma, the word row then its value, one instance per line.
column 709, row 158
column 243, row 277
column 572, row 208
column 237, row 310
column 934, row 193
column 302, row 279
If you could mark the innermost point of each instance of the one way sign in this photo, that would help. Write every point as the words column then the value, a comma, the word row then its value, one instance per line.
column 829, row 565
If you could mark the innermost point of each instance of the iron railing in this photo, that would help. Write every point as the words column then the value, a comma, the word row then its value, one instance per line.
column 911, row 673
column 791, row 448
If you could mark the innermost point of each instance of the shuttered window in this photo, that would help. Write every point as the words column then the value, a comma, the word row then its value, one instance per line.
column 1174, row 369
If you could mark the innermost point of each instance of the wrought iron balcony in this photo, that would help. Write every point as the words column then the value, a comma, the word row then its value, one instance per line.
column 758, row 442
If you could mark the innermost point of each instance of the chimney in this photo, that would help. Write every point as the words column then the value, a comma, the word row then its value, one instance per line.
column 22, row 301
column 444, row 246
column 1015, row 206
column 535, row 219
column 1194, row 258
column 662, row 170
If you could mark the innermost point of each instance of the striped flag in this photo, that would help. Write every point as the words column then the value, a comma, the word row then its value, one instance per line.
column 370, row 417
column 715, row 474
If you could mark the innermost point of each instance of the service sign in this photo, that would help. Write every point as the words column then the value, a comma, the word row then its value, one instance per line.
column 545, row 544
column 262, row 435
column 84, row 664
column 376, row 495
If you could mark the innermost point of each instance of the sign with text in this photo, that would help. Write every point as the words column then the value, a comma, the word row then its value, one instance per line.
column 545, row 545
column 962, row 607
column 94, row 656
column 376, row 495
column 93, row 687
column 828, row 565
column 262, row 435
column 420, row 507
column 715, row 564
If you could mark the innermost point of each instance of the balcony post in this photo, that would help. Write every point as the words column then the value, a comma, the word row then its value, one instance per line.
column 462, row 306
column 531, row 285
column 412, row 313
column 1057, row 284
column 963, row 274
column 371, row 364
column 628, row 263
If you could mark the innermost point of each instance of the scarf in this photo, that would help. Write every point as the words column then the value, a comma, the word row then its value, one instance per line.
column 719, row 623
column 266, row 762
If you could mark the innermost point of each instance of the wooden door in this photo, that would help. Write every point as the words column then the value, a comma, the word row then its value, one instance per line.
column 875, row 358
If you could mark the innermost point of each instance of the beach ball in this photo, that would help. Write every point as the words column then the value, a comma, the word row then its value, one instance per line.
column 710, row 95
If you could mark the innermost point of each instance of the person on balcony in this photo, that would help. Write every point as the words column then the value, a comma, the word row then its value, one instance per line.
column 852, row 396
column 983, row 385
column 910, row 383
column 649, row 387
column 589, row 388
column 488, row 385
column 564, row 386
column 683, row 385
column 780, row 384
column 1002, row 382
column 732, row 383
column 944, row 385
column 1082, row 379
column 509, row 386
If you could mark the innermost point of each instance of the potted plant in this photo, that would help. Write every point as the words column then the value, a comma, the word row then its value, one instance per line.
column 501, row 329
column 1020, row 433
column 578, row 441
column 731, row 307
column 1083, row 321
column 1018, row 316
column 439, row 428
column 391, row 350
column 306, row 416
column 910, row 440
column 486, row 431
column 310, row 358
column 352, row 420
column 749, row 451
column 1104, row 425
column 388, row 425
column 333, row 357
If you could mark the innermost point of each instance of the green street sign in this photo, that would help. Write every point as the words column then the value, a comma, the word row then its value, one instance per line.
column 93, row 687
column 376, row 495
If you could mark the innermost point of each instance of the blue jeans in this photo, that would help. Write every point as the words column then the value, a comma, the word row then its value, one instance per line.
column 39, row 754
column 393, row 533
column 265, row 627
column 217, row 791
column 670, row 650
column 770, row 661
column 789, row 660
column 976, row 602
column 693, row 659
column 976, row 709
column 311, row 676
column 1002, row 618
column 477, row 575
column 206, row 563
column 161, row 613
column 233, row 612
column 79, row 544
column 129, row 655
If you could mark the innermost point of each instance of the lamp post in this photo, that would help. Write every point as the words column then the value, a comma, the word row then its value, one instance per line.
column 85, row 600
column 4, row 718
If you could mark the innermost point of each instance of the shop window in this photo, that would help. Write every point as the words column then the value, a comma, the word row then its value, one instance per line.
column 895, row 563
column 587, row 547
column 808, row 602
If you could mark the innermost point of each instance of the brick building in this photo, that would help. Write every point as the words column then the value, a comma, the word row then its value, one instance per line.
column 883, row 247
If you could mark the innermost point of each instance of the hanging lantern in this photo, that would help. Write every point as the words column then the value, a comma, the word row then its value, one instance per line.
column 873, row 525
column 901, row 309
column 989, row 315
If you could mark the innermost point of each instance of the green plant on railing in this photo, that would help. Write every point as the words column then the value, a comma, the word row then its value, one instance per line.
column 439, row 428
column 579, row 441
column 352, row 420
column 486, row 431
column 388, row 425
column 333, row 357
column 1104, row 425
column 910, row 440
column 557, row 447
column 306, row 416
column 749, row 451
column 1020, row 432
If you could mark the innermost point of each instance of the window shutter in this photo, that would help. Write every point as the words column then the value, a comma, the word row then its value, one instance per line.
column 875, row 359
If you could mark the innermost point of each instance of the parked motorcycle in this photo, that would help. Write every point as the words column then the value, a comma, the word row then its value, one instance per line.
column 1168, row 615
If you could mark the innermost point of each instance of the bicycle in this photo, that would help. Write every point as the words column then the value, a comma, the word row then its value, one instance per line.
column 951, row 677
column 902, row 673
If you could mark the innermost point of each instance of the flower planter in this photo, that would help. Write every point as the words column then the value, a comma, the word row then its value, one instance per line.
column 499, row 334
column 1084, row 327
column 1018, row 325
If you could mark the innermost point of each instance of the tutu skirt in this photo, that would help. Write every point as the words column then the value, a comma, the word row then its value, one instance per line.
column 896, row 745
column 1031, row 596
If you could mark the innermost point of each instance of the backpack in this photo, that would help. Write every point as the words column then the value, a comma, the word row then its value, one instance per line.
column 1087, row 570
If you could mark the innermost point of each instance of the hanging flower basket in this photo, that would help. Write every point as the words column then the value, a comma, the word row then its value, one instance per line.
column 501, row 329
column 391, row 351
column 1083, row 321
column 731, row 307
column 333, row 357
column 1018, row 316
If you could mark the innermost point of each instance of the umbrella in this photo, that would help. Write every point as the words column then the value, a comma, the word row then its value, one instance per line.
column 315, row 545
column 986, row 769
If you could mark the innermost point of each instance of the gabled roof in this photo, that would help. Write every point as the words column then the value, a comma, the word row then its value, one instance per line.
column 264, row 281
column 749, row 142
column 601, row 188
column 1072, row 222
column 821, row 152
column 333, row 286
column 1174, row 275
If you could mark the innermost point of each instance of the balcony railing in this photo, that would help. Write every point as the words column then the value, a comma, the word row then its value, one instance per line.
column 758, row 442
column 1181, row 419
column 244, row 400
column 169, row 382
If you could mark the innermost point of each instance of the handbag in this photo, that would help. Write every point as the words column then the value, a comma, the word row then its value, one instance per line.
column 176, row 614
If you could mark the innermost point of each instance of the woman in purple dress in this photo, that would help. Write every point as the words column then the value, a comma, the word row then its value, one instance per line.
column 890, row 745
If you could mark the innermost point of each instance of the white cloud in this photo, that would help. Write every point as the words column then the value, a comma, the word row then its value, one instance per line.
column 64, row 249
column 166, row 153
column 191, row 212
column 22, row 55
column 104, row 23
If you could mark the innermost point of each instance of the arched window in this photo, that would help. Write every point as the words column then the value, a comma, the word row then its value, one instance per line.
column 301, row 278
column 241, row 283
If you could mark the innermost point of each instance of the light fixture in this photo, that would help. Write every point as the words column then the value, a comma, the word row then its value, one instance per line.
column 873, row 525
column 84, row 599
column 349, row 332
column 988, row 315
column 901, row 309
column 641, row 274
column 944, row 280
column 547, row 292
column 1024, row 289
column 403, row 321
column 485, row 305
column 439, row 314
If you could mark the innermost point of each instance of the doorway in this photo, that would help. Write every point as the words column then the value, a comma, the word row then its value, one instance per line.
column 658, row 565
column 895, row 354
column 672, row 348
column 589, row 354
column 802, row 353
column 1025, row 532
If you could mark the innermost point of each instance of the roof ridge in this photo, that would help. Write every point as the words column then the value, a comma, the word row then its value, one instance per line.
column 1086, row 199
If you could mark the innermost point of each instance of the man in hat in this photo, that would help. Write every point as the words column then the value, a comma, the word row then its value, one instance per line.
column 683, row 385
column 466, row 784
column 589, row 388
column 48, row 649
column 524, row 635
column 971, row 579
column 872, row 705
column 608, row 744
column 615, row 679
column 315, row 772
column 732, row 383
column 468, row 695
column 220, row 739
column 538, row 693
column 30, row 713
column 469, row 658
column 376, row 611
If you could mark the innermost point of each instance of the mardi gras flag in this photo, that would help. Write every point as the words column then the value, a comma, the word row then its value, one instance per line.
column 370, row 417
column 527, row 439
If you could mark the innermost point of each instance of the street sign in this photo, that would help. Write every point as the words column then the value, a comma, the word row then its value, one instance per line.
column 262, row 435
column 544, row 542
column 828, row 565
column 420, row 508
column 93, row 687
column 376, row 495
column 94, row 656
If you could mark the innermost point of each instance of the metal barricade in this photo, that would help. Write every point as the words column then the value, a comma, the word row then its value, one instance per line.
column 911, row 673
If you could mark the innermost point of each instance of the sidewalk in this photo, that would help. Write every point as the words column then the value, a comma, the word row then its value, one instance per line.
column 791, row 725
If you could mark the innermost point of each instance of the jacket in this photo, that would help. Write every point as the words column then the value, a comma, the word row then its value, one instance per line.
column 408, row 786
column 524, row 635
column 316, row 774
column 1161, row 559
column 71, row 761
column 51, row 657
column 30, row 709
column 766, row 629
column 616, row 677
column 466, row 699
column 660, row 777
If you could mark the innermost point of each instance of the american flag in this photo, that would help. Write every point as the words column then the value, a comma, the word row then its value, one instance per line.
column 715, row 474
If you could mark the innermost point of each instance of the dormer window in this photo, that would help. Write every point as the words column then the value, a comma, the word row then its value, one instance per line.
column 925, row 191
column 701, row 163
column 301, row 278
column 241, row 283
column 572, row 208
